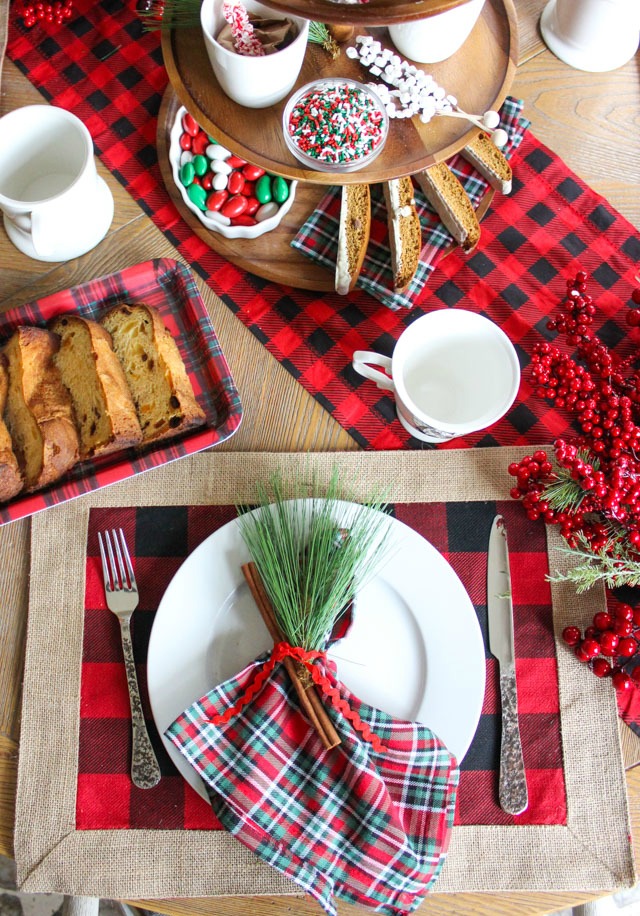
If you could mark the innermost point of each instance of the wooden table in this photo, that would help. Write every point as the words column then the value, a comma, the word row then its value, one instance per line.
column 591, row 120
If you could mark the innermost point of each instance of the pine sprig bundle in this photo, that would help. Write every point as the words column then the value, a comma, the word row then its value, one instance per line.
column 313, row 551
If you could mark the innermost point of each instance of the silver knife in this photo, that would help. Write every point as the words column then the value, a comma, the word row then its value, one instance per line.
column 513, row 784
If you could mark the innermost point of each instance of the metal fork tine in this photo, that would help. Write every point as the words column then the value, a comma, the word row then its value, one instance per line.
column 122, row 575
column 112, row 562
column 127, row 558
column 106, row 572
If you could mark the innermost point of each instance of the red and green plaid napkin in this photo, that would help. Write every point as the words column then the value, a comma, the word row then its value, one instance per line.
column 318, row 237
column 351, row 823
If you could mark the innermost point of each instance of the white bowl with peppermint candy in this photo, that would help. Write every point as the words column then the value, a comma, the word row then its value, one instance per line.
column 335, row 125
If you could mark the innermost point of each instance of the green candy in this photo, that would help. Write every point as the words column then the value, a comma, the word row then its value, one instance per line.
column 279, row 189
column 263, row 189
column 187, row 173
column 200, row 164
column 197, row 196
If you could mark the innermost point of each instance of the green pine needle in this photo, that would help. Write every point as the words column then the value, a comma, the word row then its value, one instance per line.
column 612, row 565
column 313, row 555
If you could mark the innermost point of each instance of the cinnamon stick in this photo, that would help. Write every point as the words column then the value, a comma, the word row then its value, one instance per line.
column 307, row 693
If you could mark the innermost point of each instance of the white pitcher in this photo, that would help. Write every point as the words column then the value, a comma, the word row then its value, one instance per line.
column 593, row 35
column 55, row 204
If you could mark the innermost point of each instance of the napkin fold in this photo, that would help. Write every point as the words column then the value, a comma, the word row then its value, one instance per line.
column 365, row 826
column 317, row 238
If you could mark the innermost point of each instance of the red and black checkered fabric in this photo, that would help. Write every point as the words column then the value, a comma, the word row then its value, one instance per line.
column 160, row 539
column 106, row 70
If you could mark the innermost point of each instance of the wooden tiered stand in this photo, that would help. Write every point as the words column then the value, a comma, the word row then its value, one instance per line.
column 479, row 75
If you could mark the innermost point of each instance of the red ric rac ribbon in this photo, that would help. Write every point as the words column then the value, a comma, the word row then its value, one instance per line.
column 279, row 652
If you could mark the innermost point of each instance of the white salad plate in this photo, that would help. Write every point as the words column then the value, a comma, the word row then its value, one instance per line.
column 414, row 649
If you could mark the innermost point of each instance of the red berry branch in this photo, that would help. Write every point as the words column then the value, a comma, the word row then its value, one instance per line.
column 591, row 488
column 56, row 13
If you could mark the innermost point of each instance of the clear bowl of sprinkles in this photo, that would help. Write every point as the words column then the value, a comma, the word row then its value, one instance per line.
column 335, row 125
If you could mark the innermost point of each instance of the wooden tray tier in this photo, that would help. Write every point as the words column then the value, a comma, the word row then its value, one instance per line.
column 270, row 256
column 479, row 75
column 371, row 12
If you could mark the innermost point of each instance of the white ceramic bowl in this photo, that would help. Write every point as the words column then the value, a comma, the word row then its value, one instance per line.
column 319, row 86
column 229, row 232
column 438, row 37
column 255, row 82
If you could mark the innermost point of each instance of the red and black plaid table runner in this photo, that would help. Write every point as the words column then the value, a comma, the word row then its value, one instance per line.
column 161, row 538
column 107, row 71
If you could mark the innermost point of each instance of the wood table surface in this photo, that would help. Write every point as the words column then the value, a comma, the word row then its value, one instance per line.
column 590, row 120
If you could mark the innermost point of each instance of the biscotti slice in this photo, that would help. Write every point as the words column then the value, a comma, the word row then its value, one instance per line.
column 405, row 233
column 450, row 201
column 353, row 235
column 155, row 372
column 39, row 414
column 491, row 162
column 10, row 477
column 104, row 410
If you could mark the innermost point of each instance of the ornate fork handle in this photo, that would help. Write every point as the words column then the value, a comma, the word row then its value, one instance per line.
column 513, row 784
column 145, row 770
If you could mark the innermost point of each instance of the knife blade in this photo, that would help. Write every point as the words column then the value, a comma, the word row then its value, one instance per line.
column 513, row 784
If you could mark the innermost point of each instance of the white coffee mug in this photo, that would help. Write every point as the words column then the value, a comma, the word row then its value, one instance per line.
column 436, row 38
column 55, row 204
column 255, row 82
column 452, row 372
column 592, row 35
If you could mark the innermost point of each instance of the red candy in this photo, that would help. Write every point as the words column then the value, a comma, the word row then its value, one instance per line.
column 235, row 162
column 253, row 205
column 235, row 183
column 252, row 172
column 190, row 125
column 185, row 141
column 216, row 200
column 200, row 143
column 234, row 207
column 243, row 220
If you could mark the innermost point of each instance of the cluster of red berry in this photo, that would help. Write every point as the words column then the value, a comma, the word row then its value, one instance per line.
column 603, row 461
column 593, row 492
column 48, row 12
column 610, row 637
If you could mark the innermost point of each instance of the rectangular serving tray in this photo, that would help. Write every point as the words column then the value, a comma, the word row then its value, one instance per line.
column 170, row 288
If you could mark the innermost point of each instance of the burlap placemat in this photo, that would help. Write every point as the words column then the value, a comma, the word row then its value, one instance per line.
column 591, row 853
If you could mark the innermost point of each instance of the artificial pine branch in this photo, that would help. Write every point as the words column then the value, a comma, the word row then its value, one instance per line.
column 319, row 34
column 612, row 564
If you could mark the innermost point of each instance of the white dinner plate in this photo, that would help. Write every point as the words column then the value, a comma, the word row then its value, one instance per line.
column 414, row 650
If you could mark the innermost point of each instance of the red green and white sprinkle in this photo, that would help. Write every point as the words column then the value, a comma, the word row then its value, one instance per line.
column 337, row 124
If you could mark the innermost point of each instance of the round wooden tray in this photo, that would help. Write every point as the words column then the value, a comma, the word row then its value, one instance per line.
column 479, row 75
column 270, row 256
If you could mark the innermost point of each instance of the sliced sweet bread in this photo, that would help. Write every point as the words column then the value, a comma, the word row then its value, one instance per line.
column 156, row 375
column 104, row 410
column 491, row 162
column 10, row 477
column 353, row 235
column 450, row 201
column 405, row 232
column 39, row 413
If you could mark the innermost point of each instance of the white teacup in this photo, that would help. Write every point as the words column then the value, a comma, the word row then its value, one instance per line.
column 436, row 38
column 592, row 35
column 55, row 204
column 452, row 372
column 255, row 82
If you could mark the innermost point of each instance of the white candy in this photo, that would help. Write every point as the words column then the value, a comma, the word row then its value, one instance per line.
column 220, row 167
column 375, row 71
column 219, row 182
column 266, row 211
column 218, row 217
column 217, row 152
column 186, row 156
column 352, row 53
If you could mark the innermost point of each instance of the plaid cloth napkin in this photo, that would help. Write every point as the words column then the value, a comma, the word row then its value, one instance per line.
column 318, row 237
column 365, row 826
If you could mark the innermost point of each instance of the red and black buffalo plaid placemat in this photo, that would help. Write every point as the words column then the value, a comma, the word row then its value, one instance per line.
column 160, row 538
column 103, row 68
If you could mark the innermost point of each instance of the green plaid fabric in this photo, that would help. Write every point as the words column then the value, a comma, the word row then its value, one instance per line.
column 365, row 827
column 318, row 236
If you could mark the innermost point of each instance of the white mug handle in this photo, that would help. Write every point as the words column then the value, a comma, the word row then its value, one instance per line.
column 361, row 362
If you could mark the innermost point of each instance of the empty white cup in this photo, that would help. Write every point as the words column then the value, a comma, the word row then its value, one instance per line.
column 255, row 82
column 436, row 38
column 55, row 204
column 453, row 372
column 592, row 35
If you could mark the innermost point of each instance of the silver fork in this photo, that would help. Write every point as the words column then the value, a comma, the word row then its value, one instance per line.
column 121, row 591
